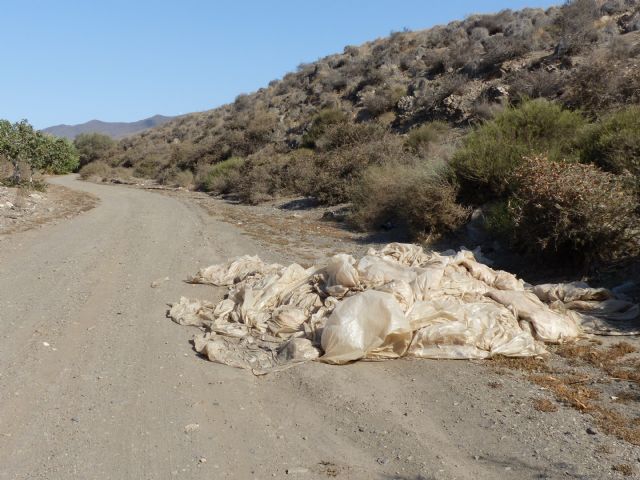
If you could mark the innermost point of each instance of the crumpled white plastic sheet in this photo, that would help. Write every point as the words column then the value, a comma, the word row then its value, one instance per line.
column 394, row 302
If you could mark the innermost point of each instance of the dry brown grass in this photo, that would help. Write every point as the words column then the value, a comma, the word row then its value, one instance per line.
column 577, row 392
column 623, row 468
column 604, row 449
column 595, row 356
column 610, row 360
column 569, row 390
column 526, row 364
column 627, row 397
column 544, row 405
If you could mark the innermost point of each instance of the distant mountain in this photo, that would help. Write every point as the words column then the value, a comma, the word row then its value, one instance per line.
column 113, row 129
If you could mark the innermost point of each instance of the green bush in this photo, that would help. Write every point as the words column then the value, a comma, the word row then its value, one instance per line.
column 613, row 143
column 498, row 220
column 220, row 177
column 417, row 197
column 574, row 212
column 21, row 144
column 491, row 152
column 93, row 146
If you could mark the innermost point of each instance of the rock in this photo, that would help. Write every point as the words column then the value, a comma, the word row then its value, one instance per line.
column 158, row 282
column 382, row 460
column 591, row 431
column 192, row 427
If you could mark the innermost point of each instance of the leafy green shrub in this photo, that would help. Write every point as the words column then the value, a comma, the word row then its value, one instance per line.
column 613, row 143
column 418, row 197
column 498, row 220
column 58, row 156
column 21, row 144
column 490, row 152
column 574, row 212
column 93, row 146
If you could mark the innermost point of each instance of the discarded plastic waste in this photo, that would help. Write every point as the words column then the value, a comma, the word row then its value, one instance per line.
column 393, row 302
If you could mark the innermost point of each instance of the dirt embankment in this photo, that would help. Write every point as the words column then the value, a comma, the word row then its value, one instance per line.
column 22, row 209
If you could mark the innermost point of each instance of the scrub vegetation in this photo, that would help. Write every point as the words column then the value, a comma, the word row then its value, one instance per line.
column 504, row 113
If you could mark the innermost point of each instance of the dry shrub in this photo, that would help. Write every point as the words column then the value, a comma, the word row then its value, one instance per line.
column 544, row 405
column 98, row 169
column 340, row 135
column 337, row 171
column 20, row 199
column 321, row 123
column 421, row 138
column 538, row 83
column 623, row 468
column 573, row 212
column 577, row 24
column 419, row 197
column 268, row 174
column 382, row 100
column 602, row 83
column 220, row 177
column 182, row 178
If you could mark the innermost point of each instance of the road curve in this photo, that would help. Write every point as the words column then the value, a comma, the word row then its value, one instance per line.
column 96, row 383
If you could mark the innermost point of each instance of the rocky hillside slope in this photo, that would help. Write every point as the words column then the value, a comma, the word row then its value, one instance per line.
column 583, row 54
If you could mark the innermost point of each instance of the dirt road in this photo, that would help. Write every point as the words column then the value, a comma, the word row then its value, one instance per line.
column 95, row 382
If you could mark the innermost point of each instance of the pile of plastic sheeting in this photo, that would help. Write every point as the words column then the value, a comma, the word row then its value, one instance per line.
column 394, row 302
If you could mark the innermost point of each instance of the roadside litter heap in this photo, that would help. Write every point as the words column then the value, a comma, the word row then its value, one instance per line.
column 394, row 302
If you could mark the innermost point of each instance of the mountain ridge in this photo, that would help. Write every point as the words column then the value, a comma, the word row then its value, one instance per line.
column 113, row 129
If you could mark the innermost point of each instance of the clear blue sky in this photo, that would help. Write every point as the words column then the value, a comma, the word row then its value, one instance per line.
column 69, row 61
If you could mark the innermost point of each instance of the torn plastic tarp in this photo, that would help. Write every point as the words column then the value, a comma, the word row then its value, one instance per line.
column 398, row 301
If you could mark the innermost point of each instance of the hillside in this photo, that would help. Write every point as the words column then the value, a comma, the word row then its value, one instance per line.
column 113, row 129
column 455, row 73
column 418, row 129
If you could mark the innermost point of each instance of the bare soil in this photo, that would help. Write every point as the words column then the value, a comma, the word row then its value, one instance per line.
column 97, row 383
column 22, row 209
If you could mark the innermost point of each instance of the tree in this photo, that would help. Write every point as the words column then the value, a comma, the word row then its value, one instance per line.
column 92, row 147
column 20, row 144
